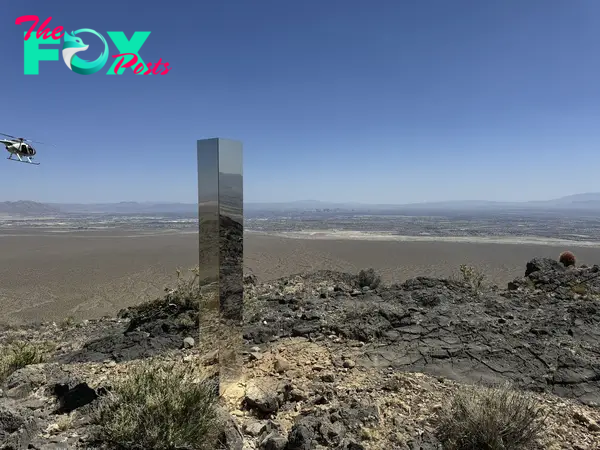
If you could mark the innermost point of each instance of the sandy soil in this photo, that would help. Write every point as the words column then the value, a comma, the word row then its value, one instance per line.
column 50, row 277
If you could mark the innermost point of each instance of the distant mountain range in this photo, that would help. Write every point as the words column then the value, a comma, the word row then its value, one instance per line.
column 25, row 207
column 578, row 201
column 587, row 201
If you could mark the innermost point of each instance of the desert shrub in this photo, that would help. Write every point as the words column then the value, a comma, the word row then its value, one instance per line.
column 185, row 294
column 472, row 277
column 567, row 259
column 64, row 422
column 159, row 407
column 187, row 291
column 368, row 278
column 579, row 288
column 67, row 322
column 498, row 418
column 20, row 354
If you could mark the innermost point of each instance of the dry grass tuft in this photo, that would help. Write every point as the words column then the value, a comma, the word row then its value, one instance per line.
column 187, row 292
column 17, row 355
column 498, row 418
column 369, row 278
column 67, row 322
column 160, row 407
column 473, row 278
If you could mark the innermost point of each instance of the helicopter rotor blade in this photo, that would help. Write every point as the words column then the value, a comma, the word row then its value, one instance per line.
column 21, row 139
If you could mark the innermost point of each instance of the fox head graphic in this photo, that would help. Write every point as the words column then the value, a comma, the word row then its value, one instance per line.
column 72, row 45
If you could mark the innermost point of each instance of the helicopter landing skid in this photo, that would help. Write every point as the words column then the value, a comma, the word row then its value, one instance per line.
column 23, row 161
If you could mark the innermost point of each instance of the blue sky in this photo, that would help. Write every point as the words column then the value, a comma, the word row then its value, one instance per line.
column 381, row 101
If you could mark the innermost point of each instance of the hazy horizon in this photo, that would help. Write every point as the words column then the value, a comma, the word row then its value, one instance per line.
column 596, row 196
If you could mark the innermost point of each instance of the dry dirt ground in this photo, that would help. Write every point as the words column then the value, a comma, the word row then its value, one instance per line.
column 86, row 276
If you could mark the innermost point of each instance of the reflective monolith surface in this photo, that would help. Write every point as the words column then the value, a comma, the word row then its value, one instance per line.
column 220, row 214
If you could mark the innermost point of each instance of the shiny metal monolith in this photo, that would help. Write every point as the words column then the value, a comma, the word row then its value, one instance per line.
column 221, row 253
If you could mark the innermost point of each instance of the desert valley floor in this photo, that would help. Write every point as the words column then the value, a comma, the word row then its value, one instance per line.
column 89, row 275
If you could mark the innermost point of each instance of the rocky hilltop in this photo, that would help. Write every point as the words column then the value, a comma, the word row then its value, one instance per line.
column 332, row 360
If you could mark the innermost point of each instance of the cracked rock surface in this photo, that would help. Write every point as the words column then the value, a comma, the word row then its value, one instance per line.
column 542, row 333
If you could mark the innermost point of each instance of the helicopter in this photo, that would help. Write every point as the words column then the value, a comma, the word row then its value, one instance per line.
column 21, row 148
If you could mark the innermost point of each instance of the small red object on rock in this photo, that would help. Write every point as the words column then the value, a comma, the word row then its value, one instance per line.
column 567, row 259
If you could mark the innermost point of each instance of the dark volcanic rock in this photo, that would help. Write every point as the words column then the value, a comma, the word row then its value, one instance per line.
column 274, row 441
column 25, row 381
column 125, row 347
column 230, row 436
column 17, row 428
column 322, row 429
column 71, row 398
column 542, row 335
column 302, row 436
column 153, row 328
column 543, row 265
